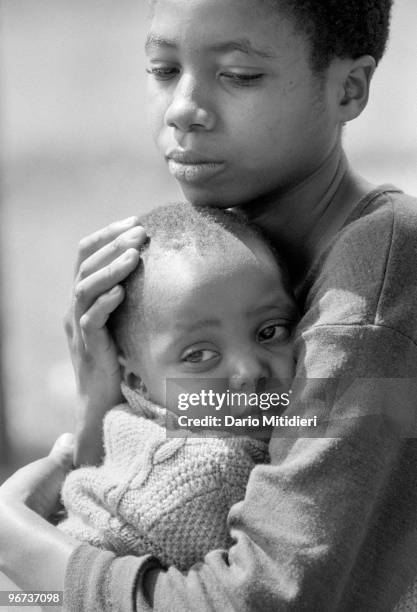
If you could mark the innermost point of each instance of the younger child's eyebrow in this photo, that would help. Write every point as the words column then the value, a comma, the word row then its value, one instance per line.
column 243, row 45
column 284, row 311
column 197, row 325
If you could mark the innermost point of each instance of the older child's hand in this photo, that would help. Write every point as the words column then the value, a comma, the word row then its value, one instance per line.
column 33, row 553
column 38, row 484
column 105, row 259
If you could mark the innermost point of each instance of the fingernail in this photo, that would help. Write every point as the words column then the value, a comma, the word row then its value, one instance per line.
column 64, row 442
column 129, row 221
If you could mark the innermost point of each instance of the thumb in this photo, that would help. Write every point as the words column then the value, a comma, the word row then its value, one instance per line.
column 63, row 450
column 38, row 484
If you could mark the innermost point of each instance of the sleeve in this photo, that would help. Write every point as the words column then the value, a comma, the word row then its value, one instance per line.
column 310, row 521
column 92, row 574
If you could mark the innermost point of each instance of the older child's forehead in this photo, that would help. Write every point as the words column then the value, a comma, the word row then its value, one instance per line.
column 242, row 44
column 218, row 26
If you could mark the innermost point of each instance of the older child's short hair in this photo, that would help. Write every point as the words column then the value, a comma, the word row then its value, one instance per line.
column 340, row 28
column 172, row 228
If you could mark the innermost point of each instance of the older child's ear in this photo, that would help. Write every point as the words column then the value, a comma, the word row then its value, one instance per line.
column 354, row 90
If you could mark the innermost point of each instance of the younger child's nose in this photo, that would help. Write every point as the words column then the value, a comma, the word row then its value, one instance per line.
column 248, row 374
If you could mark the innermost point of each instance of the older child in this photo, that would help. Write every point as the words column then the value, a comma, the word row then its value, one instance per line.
column 211, row 308
column 248, row 99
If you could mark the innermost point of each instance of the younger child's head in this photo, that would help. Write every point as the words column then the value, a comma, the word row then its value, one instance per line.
column 208, row 302
column 247, row 97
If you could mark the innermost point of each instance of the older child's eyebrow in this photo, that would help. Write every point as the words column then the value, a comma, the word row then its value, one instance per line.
column 243, row 45
column 155, row 41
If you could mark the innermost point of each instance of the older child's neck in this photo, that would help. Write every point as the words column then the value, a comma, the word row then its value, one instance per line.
column 302, row 220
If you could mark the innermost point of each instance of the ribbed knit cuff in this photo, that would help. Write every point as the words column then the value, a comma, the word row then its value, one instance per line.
column 98, row 581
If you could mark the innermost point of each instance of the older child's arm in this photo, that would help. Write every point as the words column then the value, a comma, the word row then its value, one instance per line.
column 327, row 526
column 330, row 524
column 105, row 259
column 318, row 526
column 33, row 553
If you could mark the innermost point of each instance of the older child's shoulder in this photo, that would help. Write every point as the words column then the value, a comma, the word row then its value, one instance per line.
column 379, row 236
column 367, row 275
column 384, row 206
column 381, row 233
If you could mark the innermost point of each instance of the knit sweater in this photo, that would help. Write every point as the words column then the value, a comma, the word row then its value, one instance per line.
column 331, row 523
column 168, row 496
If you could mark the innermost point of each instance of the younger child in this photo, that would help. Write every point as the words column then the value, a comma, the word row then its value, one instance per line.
column 210, row 305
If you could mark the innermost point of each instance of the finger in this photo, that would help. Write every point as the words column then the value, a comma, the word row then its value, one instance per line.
column 63, row 450
column 92, row 323
column 132, row 238
column 88, row 290
column 38, row 483
column 97, row 240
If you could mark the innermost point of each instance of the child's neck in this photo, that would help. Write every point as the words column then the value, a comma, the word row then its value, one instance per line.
column 302, row 220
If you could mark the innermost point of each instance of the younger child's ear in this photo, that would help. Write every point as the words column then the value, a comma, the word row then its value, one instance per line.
column 354, row 90
column 131, row 378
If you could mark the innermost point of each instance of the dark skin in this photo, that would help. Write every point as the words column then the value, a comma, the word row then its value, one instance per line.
column 34, row 553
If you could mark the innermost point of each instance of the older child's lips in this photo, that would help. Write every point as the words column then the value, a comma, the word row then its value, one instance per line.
column 187, row 167
column 194, row 173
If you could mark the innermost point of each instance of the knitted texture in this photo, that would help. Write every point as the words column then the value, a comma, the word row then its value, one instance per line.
column 408, row 602
column 169, row 497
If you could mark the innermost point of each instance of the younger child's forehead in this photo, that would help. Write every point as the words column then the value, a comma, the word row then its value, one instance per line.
column 190, row 270
column 189, row 279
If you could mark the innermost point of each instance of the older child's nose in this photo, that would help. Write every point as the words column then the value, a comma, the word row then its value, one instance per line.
column 188, row 110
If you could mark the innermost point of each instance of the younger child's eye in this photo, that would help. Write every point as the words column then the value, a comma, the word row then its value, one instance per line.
column 242, row 79
column 199, row 355
column 163, row 73
column 273, row 333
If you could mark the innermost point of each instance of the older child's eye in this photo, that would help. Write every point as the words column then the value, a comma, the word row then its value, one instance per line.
column 242, row 79
column 273, row 333
column 199, row 355
column 163, row 73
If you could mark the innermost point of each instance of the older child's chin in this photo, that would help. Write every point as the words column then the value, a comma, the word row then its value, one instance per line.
column 199, row 196
column 225, row 194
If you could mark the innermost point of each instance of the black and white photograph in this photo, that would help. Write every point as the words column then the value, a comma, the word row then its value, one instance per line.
column 208, row 305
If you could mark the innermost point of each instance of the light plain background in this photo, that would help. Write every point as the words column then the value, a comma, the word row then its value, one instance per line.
column 76, row 153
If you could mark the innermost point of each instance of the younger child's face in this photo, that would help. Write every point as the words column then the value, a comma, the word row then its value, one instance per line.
column 235, row 107
column 225, row 319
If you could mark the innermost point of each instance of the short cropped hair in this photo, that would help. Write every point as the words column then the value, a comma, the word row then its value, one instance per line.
column 340, row 28
column 173, row 228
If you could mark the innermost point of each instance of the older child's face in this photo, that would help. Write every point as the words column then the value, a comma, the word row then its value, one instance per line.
column 235, row 108
column 225, row 319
